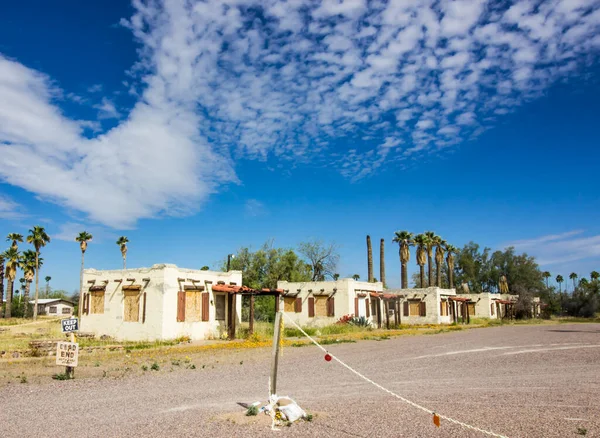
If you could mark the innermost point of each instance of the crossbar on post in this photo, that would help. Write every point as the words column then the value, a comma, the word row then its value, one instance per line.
column 275, row 359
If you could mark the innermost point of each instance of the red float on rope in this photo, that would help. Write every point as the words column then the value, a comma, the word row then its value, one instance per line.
column 328, row 357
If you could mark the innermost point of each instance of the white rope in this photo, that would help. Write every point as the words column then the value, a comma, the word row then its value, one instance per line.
column 429, row 411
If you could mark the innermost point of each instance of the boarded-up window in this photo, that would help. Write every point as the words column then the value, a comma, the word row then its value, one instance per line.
column 368, row 308
column 205, row 308
column 444, row 308
column 66, row 310
column 415, row 308
column 289, row 304
column 321, row 306
column 220, row 307
column 356, row 307
column 131, row 308
column 422, row 309
column 192, row 306
column 492, row 309
column 471, row 309
column 331, row 306
column 97, row 302
column 180, row 306
column 311, row 307
column 406, row 308
column 374, row 307
column 298, row 305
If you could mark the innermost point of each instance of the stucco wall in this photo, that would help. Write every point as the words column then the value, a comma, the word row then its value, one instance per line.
column 346, row 290
column 432, row 296
column 161, row 303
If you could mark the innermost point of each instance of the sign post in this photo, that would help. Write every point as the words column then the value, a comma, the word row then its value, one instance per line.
column 67, row 353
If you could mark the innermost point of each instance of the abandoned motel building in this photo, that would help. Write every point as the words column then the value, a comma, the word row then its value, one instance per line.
column 167, row 302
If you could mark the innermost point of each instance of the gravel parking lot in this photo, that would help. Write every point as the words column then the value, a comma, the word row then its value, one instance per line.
column 518, row 381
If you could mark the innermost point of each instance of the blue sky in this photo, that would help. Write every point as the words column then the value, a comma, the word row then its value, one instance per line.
column 195, row 129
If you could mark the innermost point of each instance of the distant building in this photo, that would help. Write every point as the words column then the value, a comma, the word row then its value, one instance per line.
column 431, row 305
column 159, row 303
column 54, row 306
column 321, row 303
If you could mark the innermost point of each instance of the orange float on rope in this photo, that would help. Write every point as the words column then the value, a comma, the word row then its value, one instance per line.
column 436, row 419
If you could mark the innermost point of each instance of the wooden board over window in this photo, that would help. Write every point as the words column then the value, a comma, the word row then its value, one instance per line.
column 289, row 304
column 444, row 308
column 471, row 309
column 193, row 300
column 320, row 306
column 97, row 302
column 415, row 308
column 131, row 309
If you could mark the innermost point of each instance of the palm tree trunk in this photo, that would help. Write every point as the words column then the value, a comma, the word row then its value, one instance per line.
column 1, row 286
column 450, row 278
column 422, row 275
column 404, row 276
column 7, row 311
column 382, row 262
column 438, row 272
column 124, row 262
column 37, row 284
column 26, row 299
column 369, row 260
column 80, row 305
column 430, row 270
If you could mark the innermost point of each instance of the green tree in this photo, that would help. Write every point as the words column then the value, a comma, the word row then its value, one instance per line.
column 122, row 242
column 573, row 277
column 15, row 238
column 38, row 238
column 594, row 275
column 1, row 285
column 546, row 275
column 12, row 258
column 356, row 277
column 421, row 242
column 369, row 260
column 48, row 278
column 440, row 245
column 205, row 268
column 430, row 239
column 559, row 280
column 28, row 265
column 321, row 257
column 405, row 240
column 336, row 277
column 450, row 253
column 83, row 238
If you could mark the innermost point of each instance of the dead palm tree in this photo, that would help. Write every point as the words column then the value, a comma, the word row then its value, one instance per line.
column 28, row 266
column 122, row 242
column 546, row 275
column 38, row 238
column 421, row 242
column 11, row 261
column 83, row 238
column 382, row 261
column 450, row 252
column 440, row 245
column 15, row 238
column 405, row 240
column 369, row 260
column 430, row 243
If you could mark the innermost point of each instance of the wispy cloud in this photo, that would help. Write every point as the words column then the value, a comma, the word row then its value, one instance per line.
column 107, row 109
column 9, row 209
column 280, row 80
column 69, row 230
column 560, row 248
column 254, row 208
column 96, row 88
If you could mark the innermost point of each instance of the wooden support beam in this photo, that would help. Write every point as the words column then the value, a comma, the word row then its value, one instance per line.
column 146, row 279
column 251, row 321
column 181, row 279
column 131, row 279
column 275, row 357
column 120, row 280
column 91, row 281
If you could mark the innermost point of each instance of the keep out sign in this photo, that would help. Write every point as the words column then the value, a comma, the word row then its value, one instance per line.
column 67, row 353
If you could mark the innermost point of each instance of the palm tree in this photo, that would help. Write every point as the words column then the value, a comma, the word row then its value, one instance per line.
column 583, row 282
column 594, row 275
column 421, row 242
column 369, row 260
column 28, row 266
column 48, row 278
column 1, row 284
column 573, row 276
column 546, row 275
column 440, row 245
column 430, row 243
column 12, row 259
column 559, row 280
column 450, row 251
column 336, row 277
column 38, row 238
column 405, row 240
column 356, row 277
column 83, row 238
column 382, row 261
column 15, row 238
column 122, row 242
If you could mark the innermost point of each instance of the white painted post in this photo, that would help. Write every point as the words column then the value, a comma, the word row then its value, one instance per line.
column 70, row 371
column 275, row 359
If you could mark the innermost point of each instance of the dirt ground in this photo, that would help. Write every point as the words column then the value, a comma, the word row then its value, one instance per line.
column 518, row 381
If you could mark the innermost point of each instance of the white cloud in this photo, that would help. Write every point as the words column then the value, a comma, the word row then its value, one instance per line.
column 9, row 209
column 69, row 230
column 556, row 249
column 254, row 208
column 215, row 81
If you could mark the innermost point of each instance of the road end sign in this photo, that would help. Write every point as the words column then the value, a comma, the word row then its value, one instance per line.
column 67, row 353
column 70, row 325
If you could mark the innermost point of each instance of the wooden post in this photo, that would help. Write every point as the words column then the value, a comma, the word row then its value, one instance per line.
column 387, row 313
column 251, row 321
column 276, row 303
column 378, row 312
column 396, row 315
column 70, row 371
column 468, row 316
column 233, row 315
column 275, row 358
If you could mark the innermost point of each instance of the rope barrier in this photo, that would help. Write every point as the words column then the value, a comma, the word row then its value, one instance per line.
column 411, row 403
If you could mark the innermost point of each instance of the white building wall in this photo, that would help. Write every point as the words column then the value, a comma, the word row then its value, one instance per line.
column 432, row 296
column 346, row 290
